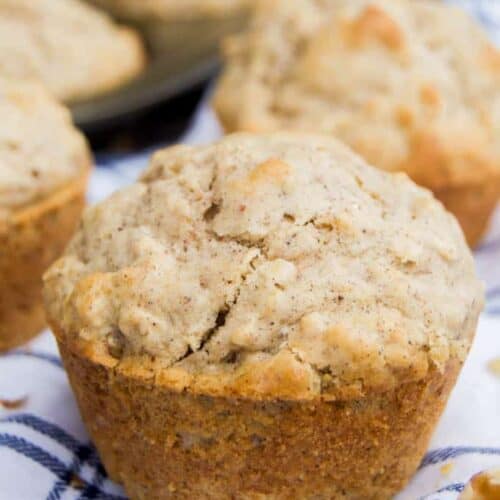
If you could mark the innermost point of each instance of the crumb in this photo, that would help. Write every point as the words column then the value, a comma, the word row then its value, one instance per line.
column 446, row 468
column 76, row 482
column 494, row 366
column 483, row 486
column 13, row 404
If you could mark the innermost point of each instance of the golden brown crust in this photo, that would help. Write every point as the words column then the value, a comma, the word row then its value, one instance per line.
column 472, row 198
column 161, row 443
column 31, row 239
column 472, row 206
column 374, row 24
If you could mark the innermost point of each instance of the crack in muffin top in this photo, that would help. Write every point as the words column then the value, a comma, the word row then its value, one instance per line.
column 411, row 86
column 270, row 264
column 40, row 149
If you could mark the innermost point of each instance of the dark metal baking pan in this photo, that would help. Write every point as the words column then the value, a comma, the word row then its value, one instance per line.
column 181, row 56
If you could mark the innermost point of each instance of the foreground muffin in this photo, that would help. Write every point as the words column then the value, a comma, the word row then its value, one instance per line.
column 74, row 49
column 412, row 86
column 266, row 315
column 44, row 163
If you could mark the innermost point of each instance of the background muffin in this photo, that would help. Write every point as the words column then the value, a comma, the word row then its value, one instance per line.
column 267, row 313
column 75, row 50
column 412, row 86
column 44, row 164
column 172, row 9
column 174, row 25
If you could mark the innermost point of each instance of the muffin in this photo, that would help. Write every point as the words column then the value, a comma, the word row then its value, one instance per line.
column 181, row 29
column 264, row 317
column 172, row 9
column 75, row 50
column 483, row 486
column 44, row 163
column 411, row 86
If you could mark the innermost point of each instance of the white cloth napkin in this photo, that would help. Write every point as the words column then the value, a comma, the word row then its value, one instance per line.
column 45, row 452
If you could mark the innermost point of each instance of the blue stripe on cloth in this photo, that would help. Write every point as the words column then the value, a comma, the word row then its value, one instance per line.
column 62, row 483
column 450, row 488
column 82, row 454
column 57, row 490
column 92, row 491
column 49, row 358
column 458, row 487
column 443, row 454
column 50, row 430
column 59, row 486
column 35, row 453
column 64, row 474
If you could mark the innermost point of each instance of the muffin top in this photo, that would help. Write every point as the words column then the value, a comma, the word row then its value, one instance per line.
column 171, row 9
column 410, row 85
column 74, row 49
column 268, row 266
column 40, row 150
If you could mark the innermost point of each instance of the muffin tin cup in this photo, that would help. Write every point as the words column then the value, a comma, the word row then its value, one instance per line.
column 29, row 242
column 162, row 442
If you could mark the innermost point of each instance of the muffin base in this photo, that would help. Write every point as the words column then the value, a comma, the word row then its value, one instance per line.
column 473, row 207
column 29, row 243
column 161, row 443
